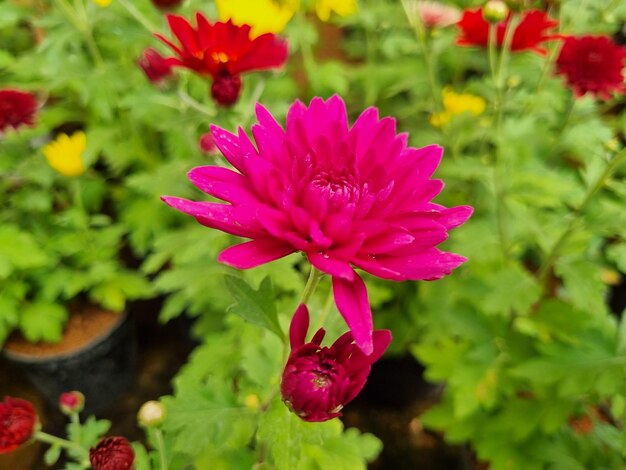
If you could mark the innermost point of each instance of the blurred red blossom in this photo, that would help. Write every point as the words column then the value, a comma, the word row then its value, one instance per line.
column 154, row 65
column 17, row 108
column 529, row 35
column 592, row 64
column 18, row 421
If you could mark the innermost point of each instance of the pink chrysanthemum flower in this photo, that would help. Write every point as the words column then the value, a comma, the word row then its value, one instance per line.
column 344, row 196
column 318, row 381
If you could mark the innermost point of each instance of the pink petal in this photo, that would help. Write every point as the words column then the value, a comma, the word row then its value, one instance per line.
column 352, row 302
column 455, row 216
column 426, row 266
column 228, row 144
column 230, row 219
column 334, row 267
column 222, row 183
column 299, row 327
column 254, row 253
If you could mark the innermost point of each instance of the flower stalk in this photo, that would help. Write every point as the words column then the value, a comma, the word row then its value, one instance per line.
column 554, row 252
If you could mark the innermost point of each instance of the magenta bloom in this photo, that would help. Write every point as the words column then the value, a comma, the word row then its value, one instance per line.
column 319, row 381
column 344, row 196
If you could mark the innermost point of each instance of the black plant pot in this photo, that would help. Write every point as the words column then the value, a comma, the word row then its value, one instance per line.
column 102, row 369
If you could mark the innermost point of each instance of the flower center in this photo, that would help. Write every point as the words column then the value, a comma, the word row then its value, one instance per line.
column 321, row 380
column 339, row 190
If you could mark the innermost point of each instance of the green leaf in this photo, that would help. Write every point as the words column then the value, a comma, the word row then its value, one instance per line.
column 255, row 306
column 295, row 444
column 41, row 321
column 52, row 454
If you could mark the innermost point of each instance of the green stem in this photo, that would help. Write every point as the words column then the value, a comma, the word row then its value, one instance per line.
column 314, row 278
column 553, row 254
column 140, row 17
column 192, row 103
column 158, row 435
column 421, row 35
column 256, row 95
column 325, row 310
column 57, row 441
column 82, row 25
column 498, row 71
column 75, row 420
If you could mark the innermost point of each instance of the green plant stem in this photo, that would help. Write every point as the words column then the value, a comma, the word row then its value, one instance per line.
column 75, row 420
column 192, row 103
column 311, row 284
column 83, row 26
column 498, row 72
column 158, row 436
column 421, row 35
column 325, row 310
column 140, row 17
column 256, row 95
column 58, row 441
column 553, row 254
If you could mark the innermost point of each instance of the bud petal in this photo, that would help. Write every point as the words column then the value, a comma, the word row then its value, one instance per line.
column 495, row 11
column 318, row 381
column 71, row 402
column 151, row 414
column 112, row 453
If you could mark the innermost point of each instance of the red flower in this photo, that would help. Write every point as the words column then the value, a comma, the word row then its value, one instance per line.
column 319, row 381
column 166, row 4
column 112, row 453
column 154, row 65
column 17, row 108
column 592, row 64
column 17, row 423
column 530, row 33
column 222, row 51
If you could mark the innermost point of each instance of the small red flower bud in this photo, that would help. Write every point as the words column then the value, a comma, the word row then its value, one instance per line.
column 155, row 66
column 18, row 421
column 112, row 453
column 207, row 143
column 166, row 4
column 319, row 381
column 226, row 88
column 71, row 402
column 17, row 108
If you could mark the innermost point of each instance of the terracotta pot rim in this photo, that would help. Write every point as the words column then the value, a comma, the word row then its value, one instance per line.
column 95, row 340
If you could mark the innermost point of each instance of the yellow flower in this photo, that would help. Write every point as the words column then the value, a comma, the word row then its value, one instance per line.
column 103, row 3
column 64, row 154
column 457, row 103
column 265, row 16
column 323, row 8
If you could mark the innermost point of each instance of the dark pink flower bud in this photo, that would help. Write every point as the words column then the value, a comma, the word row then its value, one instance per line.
column 207, row 143
column 18, row 422
column 112, row 453
column 226, row 88
column 155, row 66
column 71, row 402
column 166, row 4
column 318, row 381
